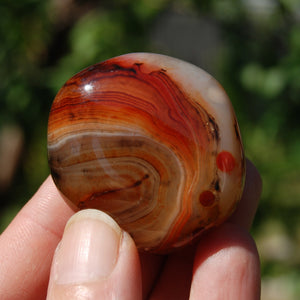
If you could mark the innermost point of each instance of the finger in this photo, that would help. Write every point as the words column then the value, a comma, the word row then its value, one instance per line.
column 95, row 260
column 171, row 282
column 174, row 281
column 247, row 207
column 226, row 266
column 151, row 266
column 28, row 244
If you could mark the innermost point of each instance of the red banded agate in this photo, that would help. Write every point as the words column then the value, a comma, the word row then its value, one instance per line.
column 152, row 141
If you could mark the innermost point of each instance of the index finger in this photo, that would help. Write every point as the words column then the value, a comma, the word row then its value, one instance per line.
column 28, row 244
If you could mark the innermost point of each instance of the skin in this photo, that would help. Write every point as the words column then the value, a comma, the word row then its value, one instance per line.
column 223, row 264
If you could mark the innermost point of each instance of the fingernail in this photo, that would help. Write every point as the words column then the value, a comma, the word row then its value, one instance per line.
column 89, row 248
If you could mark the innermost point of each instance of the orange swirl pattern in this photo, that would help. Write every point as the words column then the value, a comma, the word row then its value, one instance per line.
column 143, row 137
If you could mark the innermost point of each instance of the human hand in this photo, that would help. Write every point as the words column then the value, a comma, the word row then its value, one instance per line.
column 95, row 259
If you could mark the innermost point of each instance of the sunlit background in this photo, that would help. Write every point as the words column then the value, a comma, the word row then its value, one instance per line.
column 252, row 47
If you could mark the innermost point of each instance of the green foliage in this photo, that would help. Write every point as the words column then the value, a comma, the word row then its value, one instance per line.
column 43, row 43
column 260, row 71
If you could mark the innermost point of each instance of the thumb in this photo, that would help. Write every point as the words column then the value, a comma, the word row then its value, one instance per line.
column 95, row 260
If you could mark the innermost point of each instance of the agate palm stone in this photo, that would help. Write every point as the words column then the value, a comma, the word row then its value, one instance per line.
column 151, row 140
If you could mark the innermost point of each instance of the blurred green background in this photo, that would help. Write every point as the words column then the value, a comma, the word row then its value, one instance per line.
column 252, row 47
